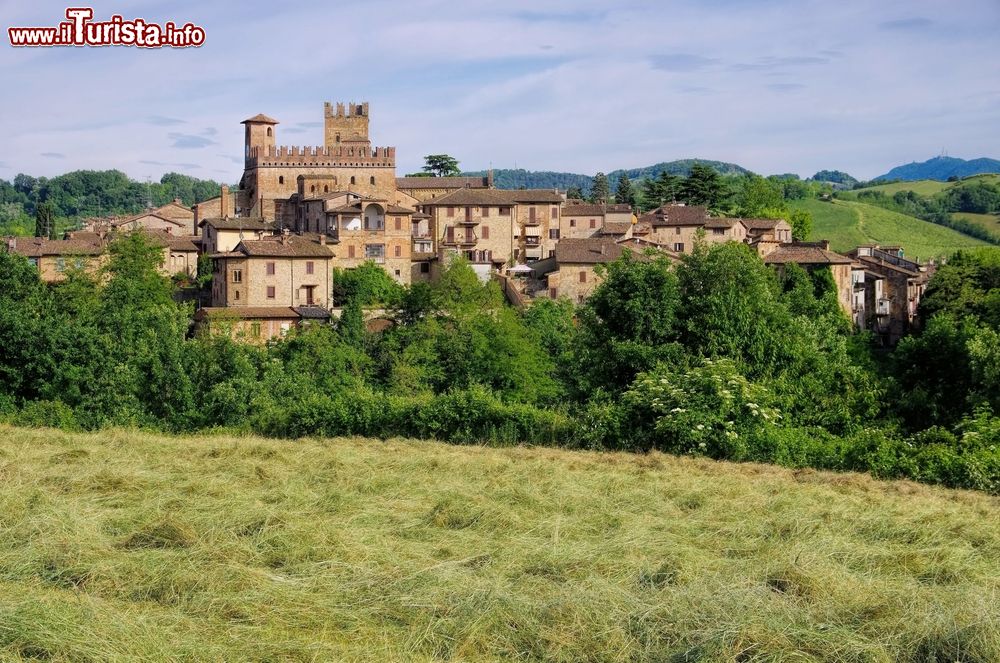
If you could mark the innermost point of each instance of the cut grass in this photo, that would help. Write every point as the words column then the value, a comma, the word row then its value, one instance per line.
column 126, row 546
column 847, row 224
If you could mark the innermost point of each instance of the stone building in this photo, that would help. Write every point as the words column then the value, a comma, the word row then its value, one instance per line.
column 580, row 219
column 55, row 257
column 813, row 255
column 893, row 312
column 429, row 188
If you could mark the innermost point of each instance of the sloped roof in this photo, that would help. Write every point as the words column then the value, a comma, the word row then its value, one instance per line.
column 615, row 227
column 760, row 224
column 441, row 182
column 495, row 197
column 284, row 247
column 805, row 254
column 260, row 118
column 588, row 250
column 248, row 312
column 153, row 213
column 36, row 247
column 238, row 223
column 677, row 215
column 594, row 209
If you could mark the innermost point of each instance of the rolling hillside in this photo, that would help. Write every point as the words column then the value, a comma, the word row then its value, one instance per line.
column 129, row 546
column 847, row 224
column 941, row 168
column 990, row 222
column 926, row 187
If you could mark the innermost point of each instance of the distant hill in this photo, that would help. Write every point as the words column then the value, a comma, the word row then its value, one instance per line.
column 941, row 168
column 835, row 177
column 506, row 178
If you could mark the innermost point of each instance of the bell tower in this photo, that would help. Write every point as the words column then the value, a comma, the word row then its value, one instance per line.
column 345, row 125
column 259, row 133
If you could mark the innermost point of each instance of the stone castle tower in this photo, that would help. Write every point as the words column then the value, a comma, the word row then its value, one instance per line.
column 342, row 125
column 345, row 162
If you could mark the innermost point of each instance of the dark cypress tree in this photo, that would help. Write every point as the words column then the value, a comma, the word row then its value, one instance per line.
column 624, row 193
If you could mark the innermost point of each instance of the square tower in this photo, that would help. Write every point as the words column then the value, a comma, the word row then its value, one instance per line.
column 345, row 125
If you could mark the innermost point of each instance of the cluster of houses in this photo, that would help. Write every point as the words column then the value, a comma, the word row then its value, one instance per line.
column 299, row 213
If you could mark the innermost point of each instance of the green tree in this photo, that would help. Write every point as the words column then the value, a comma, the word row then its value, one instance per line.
column 802, row 224
column 624, row 193
column 704, row 186
column 351, row 325
column 574, row 193
column 759, row 198
column 441, row 165
column 600, row 191
column 45, row 223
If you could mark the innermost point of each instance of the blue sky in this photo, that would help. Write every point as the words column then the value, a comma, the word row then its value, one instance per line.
column 774, row 85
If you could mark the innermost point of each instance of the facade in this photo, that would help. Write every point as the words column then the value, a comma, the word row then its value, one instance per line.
column 429, row 188
column 580, row 219
column 257, row 324
column 902, row 283
column 572, row 273
column 813, row 255
column 55, row 257
column 285, row 270
column 221, row 235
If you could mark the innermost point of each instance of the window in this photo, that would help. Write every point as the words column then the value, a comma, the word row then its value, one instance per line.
column 504, row 211
column 61, row 264
column 269, row 131
column 270, row 269
column 583, row 277
column 326, row 189
column 352, row 180
column 554, row 213
column 371, row 180
column 451, row 211
column 718, row 231
column 554, row 233
column 281, row 179
column 593, row 223
column 270, row 292
column 553, row 293
column 679, row 247
column 486, row 212
column 486, row 232
column 350, row 251
column 425, row 268
column 237, row 276
column 396, row 272
column 531, row 213
column 572, row 223
column 375, row 252
column 399, row 223
column 236, row 295
column 677, row 231
column 255, row 329
column 398, row 251
column 310, row 267
column 312, row 188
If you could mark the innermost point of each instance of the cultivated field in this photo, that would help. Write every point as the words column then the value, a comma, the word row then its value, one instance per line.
column 990, row 222
column 847, row 224
column 126, row 546
column 928, row 187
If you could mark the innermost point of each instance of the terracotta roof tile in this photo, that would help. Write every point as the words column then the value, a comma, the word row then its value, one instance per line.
column 804, row 254
column 259, row 118
column 441, row 182
column 238, row 223
column 291, row 247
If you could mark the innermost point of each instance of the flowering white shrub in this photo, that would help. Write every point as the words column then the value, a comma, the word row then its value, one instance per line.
column 709, row 410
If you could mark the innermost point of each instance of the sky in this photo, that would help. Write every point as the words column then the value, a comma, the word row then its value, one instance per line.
column 777, row 86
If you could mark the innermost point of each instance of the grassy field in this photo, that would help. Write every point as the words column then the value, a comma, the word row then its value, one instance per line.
column 847, row 224
column 928, row 187
column 126, row 546
column 990, row 222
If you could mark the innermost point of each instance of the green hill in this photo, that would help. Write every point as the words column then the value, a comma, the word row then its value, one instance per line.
column 941, row 168
column 990, row 222
column 927, row 187
column 847, row 224
column 129, row 546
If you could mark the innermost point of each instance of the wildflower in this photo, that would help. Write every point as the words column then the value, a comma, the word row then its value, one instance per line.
column 700, row 427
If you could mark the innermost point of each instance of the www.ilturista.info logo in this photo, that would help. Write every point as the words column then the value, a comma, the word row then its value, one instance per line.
column 80, row 30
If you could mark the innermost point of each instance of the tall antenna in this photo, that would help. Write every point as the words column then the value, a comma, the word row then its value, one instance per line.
column 149, row 192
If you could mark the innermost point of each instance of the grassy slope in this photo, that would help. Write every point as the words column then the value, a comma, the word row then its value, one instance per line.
column 990, row 222
column 125, row 545
column 928, row 187
column 847, row 224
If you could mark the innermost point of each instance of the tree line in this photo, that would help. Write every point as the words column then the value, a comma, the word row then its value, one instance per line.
column 718, row 356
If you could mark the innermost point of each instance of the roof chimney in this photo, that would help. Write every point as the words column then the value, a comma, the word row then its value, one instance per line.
column 285, row 235
column 322, row 239
column 224, row 210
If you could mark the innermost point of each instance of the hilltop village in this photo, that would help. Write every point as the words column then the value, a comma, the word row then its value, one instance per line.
column 301, row 212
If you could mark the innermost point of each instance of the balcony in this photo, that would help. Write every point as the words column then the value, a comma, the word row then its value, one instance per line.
column 468, row 220
column 452, row 238
column 533, row 221
column 422, row 249
column 532, row 240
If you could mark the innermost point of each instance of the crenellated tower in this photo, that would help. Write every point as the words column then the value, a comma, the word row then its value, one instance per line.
column 345, row 125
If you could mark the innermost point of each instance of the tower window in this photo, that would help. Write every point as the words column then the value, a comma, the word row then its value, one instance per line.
column 326, row 189
column 269, row 132
column 352, row 179
column 281, row 179
column 372, row 179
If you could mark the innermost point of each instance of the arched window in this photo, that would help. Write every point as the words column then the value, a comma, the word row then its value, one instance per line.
column 326, row 189
column 352, row 179
column 312, row 188
column 338, row 138
column 269, row 132
column 372, row 179
column 281, row 179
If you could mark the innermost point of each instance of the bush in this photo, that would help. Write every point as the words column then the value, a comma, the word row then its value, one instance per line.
column 46, row 414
